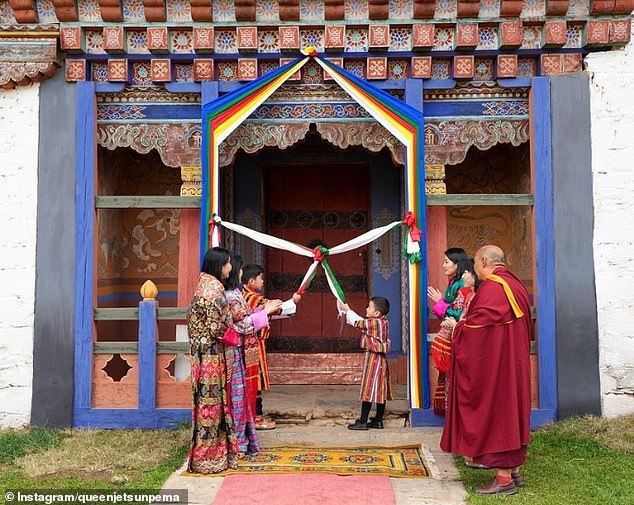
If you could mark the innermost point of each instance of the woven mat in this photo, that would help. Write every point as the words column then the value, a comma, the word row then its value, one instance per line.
column 400, row 461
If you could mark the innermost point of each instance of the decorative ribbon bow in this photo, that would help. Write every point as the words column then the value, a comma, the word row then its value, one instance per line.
column 214, row 231
column 411, row 245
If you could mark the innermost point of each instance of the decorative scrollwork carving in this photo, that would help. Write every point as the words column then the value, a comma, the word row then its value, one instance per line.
column 15, row 73
column 454, row 138
column 251, row 137
column 177, row 144
column 370, row 135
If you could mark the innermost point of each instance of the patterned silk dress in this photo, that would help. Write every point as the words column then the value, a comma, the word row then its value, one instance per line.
column 247, row 322
column 214, row 446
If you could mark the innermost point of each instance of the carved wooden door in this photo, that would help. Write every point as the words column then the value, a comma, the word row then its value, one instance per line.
column 308, row 204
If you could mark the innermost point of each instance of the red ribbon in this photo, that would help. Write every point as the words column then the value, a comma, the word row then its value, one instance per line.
column 318, row 254
column 212, row 227
column 410, row 221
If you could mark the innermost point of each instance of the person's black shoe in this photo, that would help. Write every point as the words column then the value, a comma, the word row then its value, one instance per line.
column 358, row 425
column 375, row 423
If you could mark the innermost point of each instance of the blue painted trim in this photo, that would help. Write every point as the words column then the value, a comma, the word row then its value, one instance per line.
column 109, row 87
column 426, row 417
column 440, row 84
column 414, row 98
column 545, row 246
column 85, row 146
column 183, row 87
column 148, row 333
column 209, row 91
column 131, row 418
column 519, row 82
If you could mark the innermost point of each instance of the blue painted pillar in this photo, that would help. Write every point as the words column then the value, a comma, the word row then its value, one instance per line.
column 541, row 145
column 85, row 169
column 208, row 92
column 148, row 335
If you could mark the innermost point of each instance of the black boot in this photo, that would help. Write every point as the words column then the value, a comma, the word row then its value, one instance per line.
column 358, row 425
column 375, row 423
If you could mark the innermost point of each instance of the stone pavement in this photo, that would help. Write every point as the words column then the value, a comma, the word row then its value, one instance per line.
column 317, row 416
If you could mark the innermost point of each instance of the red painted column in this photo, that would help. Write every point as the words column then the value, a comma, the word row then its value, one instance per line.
column 188, row 256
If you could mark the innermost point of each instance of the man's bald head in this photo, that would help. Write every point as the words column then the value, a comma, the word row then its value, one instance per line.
column 487, row 259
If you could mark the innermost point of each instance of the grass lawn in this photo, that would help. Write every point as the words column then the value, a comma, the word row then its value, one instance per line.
column 89, row 459
column 583, row 461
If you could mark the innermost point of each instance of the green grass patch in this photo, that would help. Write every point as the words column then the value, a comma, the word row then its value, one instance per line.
column 570, row 462
column 92, row 459
column 17, row 443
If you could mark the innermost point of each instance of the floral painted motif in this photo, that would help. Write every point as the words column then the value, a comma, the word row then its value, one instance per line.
column 440, row 69
column 89, row 11
column 483, row 69
column 488, row 38
column 184, row 72
column 356, row 9
column 182, row 41
column 141, row 73
column 264, row 67
column 312, row 73
column 6, row 13
column 533, row 9
column 400, row 39
column 267, row 10
column 94, row 42
column 46, row 11
column 443, row 39
column 356, row 68
column 489, row 8
column 356, row 40
column 99, row 72
column 573, row 36
column 224, row 10
column 269, row 41
column 526, row 67
column 401, row 9
column 311, row 10
column 225, row 41
column 397, row 69
column 179, row 11
column 312, row 38
column 227, row 71
column 137, row 41
column 132, row 11
column 532, row 37
column 446, row 9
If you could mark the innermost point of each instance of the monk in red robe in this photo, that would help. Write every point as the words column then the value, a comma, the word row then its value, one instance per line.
column 489, row 404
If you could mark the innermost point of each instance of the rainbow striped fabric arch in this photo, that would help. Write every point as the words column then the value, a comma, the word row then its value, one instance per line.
column 222, row 116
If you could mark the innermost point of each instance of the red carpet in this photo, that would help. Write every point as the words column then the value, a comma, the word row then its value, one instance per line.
column 305, row 489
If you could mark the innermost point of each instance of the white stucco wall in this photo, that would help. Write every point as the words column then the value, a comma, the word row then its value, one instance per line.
column 18, row 203
column 612, row 95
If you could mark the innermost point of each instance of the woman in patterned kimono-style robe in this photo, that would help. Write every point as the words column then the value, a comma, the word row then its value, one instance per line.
column 247, row 322
column 214, row 446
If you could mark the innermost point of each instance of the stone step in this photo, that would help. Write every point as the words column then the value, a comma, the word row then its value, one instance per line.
column 328, row 405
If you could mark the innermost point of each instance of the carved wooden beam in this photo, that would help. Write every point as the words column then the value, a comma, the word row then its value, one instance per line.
column 378, row 9
column 66, row 10
column 201, row 10
column 557, row 7
column 424, row 9
column 24, row 11
column 334, row 10
column 155, row 11
column 111, row 10
column 511, row 8
column 245, row 10
column 13, row 74
column 289, row 10
column 607, row 7
column 468, row 8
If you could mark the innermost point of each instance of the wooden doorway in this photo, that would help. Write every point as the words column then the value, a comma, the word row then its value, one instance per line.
column 316, row 204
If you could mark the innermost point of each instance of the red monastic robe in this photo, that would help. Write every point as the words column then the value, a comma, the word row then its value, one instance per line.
column 489, row 406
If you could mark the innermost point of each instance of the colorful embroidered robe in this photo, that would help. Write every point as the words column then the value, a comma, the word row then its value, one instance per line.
column 214, row 446
column 375, row 340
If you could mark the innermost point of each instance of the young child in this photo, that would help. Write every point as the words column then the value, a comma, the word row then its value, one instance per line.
column 375, row 340
column 252, row 284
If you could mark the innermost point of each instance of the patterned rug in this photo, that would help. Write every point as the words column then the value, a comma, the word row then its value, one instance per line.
column 401, row 461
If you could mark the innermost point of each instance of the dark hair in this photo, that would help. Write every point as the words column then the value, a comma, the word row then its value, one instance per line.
column 467, row 266
column 456, row 254
column 381, row 304
column 251, row 271
column 233, row 281
column 215, row 258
